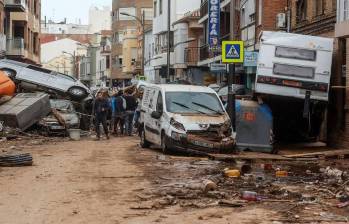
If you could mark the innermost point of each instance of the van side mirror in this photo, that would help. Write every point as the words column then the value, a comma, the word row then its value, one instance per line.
column 156, row 115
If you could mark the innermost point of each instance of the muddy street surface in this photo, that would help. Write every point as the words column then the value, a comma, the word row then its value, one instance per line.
column 116, row 181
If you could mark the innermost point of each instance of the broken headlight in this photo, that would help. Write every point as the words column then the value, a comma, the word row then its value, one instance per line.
column 177, row 125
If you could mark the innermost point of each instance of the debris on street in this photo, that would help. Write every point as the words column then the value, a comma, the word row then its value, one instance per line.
column 15, row 159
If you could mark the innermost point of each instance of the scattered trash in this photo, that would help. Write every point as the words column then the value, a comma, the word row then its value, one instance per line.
column 232, row 173
column 281, row 174
column 249, row 196
column 209, row 185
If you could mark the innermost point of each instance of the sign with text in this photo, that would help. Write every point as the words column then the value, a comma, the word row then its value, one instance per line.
column 218, row 67
column 232, row 51
column 214, row 11
column 251, row 58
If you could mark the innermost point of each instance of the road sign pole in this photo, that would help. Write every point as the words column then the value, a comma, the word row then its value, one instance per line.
column 231, row 95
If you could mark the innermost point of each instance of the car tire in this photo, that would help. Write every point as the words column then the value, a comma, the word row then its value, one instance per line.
column 72, row 92
column 144, row 143
column 164, row 147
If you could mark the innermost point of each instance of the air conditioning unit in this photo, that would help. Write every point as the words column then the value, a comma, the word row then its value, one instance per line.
column 281, row 20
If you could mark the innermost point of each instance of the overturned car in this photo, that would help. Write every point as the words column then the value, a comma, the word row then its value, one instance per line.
column 185, row 118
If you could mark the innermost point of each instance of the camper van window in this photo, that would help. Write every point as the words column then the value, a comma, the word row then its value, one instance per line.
column 294, row 53
column 294, row 71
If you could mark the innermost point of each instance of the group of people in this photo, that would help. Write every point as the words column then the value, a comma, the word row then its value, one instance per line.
column 116, row 113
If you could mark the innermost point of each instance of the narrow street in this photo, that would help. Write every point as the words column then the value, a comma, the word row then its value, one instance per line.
column 98, row 182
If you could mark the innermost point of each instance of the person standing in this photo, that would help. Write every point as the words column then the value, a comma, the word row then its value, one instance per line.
column 131, row 106
column 101, row 108
column 120, row 109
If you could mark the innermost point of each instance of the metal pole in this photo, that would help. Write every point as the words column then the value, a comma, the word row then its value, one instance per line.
column 231, row 75
column 168, row 41
column 143, row 43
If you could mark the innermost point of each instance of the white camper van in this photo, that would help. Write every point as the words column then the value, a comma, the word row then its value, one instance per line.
column 291, row 65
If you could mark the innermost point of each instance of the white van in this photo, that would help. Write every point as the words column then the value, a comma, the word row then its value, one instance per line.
column 292, row 64
column 184, row 118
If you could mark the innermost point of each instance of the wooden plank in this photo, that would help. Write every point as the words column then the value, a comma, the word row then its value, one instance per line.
column 249, row 156
column 318, row 154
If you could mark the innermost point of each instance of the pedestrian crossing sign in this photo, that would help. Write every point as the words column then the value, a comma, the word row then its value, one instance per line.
column 232, row 51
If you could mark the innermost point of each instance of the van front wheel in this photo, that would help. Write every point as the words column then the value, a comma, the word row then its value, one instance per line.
column 144, row 143
column 164, row 147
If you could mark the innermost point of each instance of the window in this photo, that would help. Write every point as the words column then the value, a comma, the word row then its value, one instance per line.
column 294, row 71
column 319, row 7
column 108, row 61
column 294, row 53
column 160, row 7
column 160, row 104
column 301, row 10
column 346, row 9
column 193, row 103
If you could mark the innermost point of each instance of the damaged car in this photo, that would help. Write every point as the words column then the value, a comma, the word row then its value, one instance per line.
column 185, row 118
column 34, row 78
column 62, row 118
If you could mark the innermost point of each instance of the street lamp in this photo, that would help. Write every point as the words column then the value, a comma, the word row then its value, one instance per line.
column 142, row 22
column 74, row 62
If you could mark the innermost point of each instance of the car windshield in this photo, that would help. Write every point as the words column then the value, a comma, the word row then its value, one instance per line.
column 193, row 103
column 62, row 105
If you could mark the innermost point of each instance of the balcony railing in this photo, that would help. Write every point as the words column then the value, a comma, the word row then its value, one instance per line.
column 15, row 47
column 15, row 5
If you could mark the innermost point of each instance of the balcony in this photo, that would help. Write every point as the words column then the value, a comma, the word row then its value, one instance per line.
column 15, row 5
column 191, row 56
column 15, row 47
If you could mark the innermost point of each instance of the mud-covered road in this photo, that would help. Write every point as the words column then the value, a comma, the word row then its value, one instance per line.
column 111, row 182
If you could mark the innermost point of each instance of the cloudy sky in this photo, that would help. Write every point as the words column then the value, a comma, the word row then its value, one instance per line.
column 73, row 10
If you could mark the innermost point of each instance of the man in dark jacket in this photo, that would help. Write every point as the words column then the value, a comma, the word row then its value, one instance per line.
column 119, row 106
column 131, row 106
column 101, row 108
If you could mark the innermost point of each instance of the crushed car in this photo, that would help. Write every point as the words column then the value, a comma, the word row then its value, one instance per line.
column 185, row 118
column 62, row 118
column 33, row 78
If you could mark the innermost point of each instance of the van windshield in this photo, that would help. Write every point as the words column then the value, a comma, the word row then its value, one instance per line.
column 193, row 103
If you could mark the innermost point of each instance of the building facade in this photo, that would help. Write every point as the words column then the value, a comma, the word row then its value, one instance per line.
column 22, row 28
column 99, row 19
column 123, row 24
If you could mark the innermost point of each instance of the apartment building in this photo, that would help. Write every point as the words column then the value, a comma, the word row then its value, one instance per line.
column 95, row 66
column 22, row 28
column 178, row 36
column 124, row 23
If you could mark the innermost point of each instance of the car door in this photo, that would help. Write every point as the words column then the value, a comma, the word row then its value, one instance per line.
column 157, row 122
column 149, row 108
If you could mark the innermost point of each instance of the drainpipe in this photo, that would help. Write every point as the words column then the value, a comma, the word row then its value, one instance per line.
column 288, row 16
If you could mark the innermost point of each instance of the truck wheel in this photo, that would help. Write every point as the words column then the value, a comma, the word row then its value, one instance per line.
column 144, row 143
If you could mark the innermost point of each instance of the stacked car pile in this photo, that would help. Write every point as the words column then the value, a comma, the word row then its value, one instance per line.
column 31, row 95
